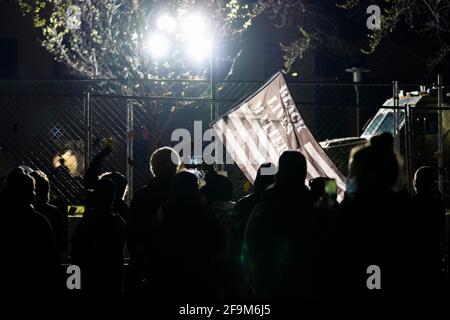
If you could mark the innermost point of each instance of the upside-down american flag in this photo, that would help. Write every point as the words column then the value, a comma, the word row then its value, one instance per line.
column 267, row 123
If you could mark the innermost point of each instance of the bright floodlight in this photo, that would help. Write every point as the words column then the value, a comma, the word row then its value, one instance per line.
column 158, row 45
column 199, row 48
column 198, row 42
column 194, row 25
column 166, row 23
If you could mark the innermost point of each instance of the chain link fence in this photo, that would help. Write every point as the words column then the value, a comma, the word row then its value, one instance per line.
column 45, row 132
column 58, row 126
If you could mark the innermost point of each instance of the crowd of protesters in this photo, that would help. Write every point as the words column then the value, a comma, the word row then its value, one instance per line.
column 288, row 239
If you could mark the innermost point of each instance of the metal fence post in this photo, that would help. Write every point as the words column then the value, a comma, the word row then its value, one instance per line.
column 395, row 93
column 87, row 129
column 358, row 130
column 214, row 112
column 130, row 141
column 440, row 152
column 408, row 147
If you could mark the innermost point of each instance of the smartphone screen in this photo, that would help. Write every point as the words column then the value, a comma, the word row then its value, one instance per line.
column 75, row 211
column 331, row 187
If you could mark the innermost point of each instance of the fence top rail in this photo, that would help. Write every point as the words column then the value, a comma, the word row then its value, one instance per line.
column 30, row 95
column 204, row 99
column 21, row 81
column 237, row 101
column 207, row 81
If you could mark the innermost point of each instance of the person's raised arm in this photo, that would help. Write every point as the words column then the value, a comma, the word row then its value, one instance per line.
column 94, row 170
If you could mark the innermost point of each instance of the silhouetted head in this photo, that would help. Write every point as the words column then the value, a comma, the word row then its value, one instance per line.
column 384, row 141
column 120, row 182
column 26, row 169
column 164, row 162
column 104, row 194
column 185, row 187
column 262, row 181
column 19, row 189
column 16, row 170
column 218, row 187
column 291, row 169
column 375, row 166
column 210, row 175
column 42, row 186
column 424, row 180
column 317, row 187
column 224, row 188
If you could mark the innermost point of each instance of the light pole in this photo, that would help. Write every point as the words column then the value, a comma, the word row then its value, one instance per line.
column 357, row 78
column 212, row 66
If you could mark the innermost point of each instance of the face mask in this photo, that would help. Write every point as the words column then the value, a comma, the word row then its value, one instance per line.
column 351, row 187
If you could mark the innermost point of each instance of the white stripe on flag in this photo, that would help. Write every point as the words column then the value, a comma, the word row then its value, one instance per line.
column 312, row 171
column 273, row 154
column 234, row 145
column 247, row 138
column 324, row 165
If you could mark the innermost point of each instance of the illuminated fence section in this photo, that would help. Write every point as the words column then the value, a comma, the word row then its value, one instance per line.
column 109, row 120
column 45, row 123
column 44, row 132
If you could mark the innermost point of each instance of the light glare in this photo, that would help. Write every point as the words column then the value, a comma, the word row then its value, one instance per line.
column 166, row 23
column 198, row 43
column 199, row 48
column 158, row 46
column 194, row 26
column 194, row 37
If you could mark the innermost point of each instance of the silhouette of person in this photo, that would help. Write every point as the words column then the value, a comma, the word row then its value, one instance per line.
column 142, row 223
column 429, row 218
column 217, row 187
column 317, row 187
column 319, row 235
column 275, row 237
column 243, row 210
column 66, row 188
column 27, row 242
column 321, row 198
column 94, row 173
column 121, row 183
column 219, row 200
column 373, row 226
column 187, row 246
column 98, row 243
column 58, row 220
column 246, row 204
